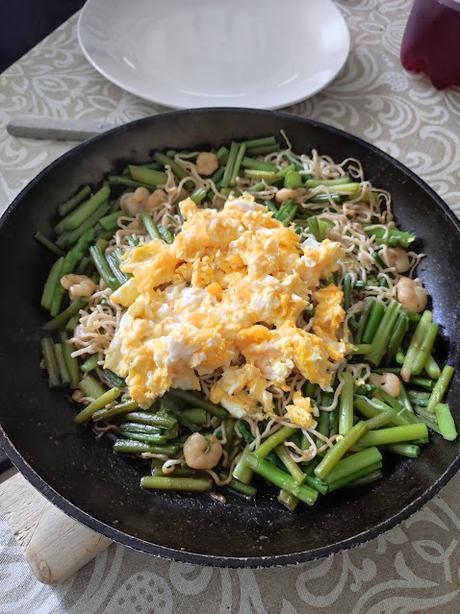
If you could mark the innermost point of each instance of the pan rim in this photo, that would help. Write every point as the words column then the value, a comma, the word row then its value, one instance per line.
column 195, row 557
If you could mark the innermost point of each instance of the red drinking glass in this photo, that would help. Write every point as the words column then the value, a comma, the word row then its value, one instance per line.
column 431, row 42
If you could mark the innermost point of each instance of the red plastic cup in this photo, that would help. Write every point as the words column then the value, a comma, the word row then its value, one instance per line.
column 431, row 42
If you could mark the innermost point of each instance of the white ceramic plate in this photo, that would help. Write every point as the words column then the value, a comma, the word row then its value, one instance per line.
column 264, row 54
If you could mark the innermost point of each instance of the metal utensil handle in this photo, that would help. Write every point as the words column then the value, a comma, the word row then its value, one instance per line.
column 32, row 127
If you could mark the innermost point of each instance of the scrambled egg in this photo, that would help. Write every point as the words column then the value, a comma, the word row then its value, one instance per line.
column 225, row 299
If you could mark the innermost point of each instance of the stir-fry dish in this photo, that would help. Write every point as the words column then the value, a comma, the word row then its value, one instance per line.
column 243, row 315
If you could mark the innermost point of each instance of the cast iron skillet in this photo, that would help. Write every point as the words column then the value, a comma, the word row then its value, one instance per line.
column 85, row 479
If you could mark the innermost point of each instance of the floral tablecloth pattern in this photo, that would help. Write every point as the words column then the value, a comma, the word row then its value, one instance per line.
column 412, row 568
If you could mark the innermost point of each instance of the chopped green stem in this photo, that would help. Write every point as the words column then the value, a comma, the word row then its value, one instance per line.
column 229, row 430
column 50, row 360
column 382, row 334
column 70, row 237
column 91, row 387
column 150, row 438
column 292, row 180
column 399, row 331
column 126, row 446
column 410, row 450
column 155, row 482
column 83, row 211
column 346, row 404
column 260, row 142
column 195, row 401
column 339, row 449
column 71, row 259
column 237, row 165
column 354, row 462
column 230, row 164
column 127, row 182
column 82, row 266
column 51, row 284
column 174, row 166
column 373, row 407
column 70, row 204
column 267, row 176
column 217, row 176
column 110, row 221
column 90, row 363
column 103, row 268
column 425, row 349
column 222, row 154
column 353, row 478
column 432, row 368
column 413, row 363
column 404, row 399
column 393, row 402
column 147, row 176
column 189, row 424
column 166, row 234
column 393, row 237
column 262, row 150
column 347, row 291
column 161, row 420
column 446, row 422
column 106, row 398
column 313, row 227
column 440, row 388
column 362, row 322
column 62, row 366
column 150, row 226
column 369, row 478
column 394, row 434
column 362, row 348
column 71, row 361
column 135, row 427
column 288, row 500
column 290, row 464
column 282, row 479
column 274, row 440
column 333, row 423
column 286, row 212
column 325, row 198
column 417, row 395
column 323, row 427
column 116, row 410
column 314, row 183
column 52, row 247
column 373, row 321
column 112, row 261
column 114, row 379
column 62, row 318
column 317, row 484
column 381, row 419
column 197, row 415
column 258, row 165
column 422, row 382
column 198, row 195
column 242, row 471
column 244, row 489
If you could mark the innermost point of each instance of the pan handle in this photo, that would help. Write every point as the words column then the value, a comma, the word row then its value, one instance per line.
column 5, row 462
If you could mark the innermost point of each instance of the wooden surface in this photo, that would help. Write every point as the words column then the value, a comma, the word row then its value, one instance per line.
column 54, row 545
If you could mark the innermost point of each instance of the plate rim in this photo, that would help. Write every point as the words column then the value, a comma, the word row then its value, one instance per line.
column 179, row 107
column 239, row 561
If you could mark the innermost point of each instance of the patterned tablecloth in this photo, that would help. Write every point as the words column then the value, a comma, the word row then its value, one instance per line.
column 415, row 566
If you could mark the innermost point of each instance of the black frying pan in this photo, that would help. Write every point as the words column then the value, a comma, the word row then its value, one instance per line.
column 84, row 478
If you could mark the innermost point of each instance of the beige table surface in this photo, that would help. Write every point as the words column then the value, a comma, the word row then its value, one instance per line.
column 412, row 568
